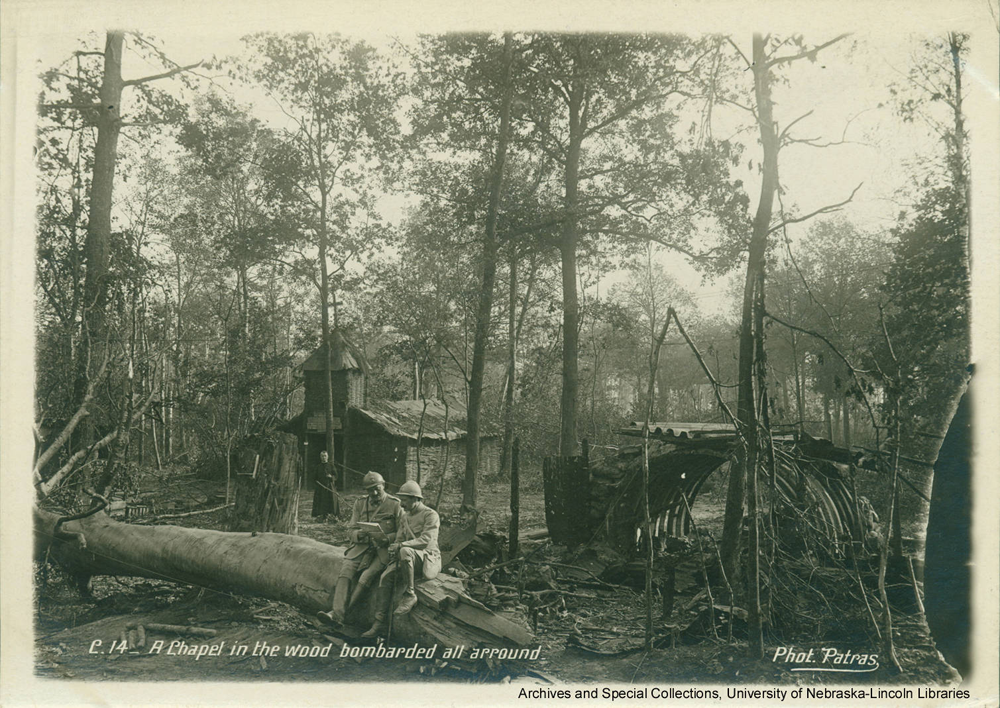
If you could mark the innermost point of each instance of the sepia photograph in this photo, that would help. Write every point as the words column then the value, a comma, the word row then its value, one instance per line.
column 500, row 359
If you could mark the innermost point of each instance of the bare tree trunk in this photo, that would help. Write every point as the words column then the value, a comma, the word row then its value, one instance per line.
column 800, row 402
column 180, row 373
column 163, row 409
column 571, row 304
column 647, row 524
column 420, row 436
column 142, row 437
column 846, row 418
column 956, row 46
column 287, row 403
column 512, row 361
column 484, row 311
column 159, row 458
column 747, row 452
column 229, row 409
column 896, row 544
column 513, row 537
column 168, row 419
column 508, row 397
column 761, row 439
column 97, row 248
column 888, row 647
column 325, row 323
column 836, row 409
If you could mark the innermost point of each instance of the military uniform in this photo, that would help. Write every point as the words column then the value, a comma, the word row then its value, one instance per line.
column 365, row 554
column 418, row 542
column 417, row 553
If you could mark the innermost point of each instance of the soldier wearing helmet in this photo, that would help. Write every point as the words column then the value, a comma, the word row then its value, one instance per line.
column 368, row 553
column 416, row 550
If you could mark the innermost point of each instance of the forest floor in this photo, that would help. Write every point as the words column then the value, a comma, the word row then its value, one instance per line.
column 589, row 630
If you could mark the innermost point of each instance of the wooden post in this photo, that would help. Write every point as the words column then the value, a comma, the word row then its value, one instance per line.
column 515, row 497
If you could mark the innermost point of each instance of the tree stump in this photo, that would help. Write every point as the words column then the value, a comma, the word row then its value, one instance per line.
column 267, row 487
column 567, row 493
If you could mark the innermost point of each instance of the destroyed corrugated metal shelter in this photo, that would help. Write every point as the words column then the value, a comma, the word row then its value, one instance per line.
column 381, row 436
column 682, row 460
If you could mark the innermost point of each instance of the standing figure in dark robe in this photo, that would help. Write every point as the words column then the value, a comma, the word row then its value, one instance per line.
column 325, row 499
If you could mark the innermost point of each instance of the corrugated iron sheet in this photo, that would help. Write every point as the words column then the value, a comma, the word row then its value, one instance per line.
column 707, row 432
column 817, row 486
column 682, row 430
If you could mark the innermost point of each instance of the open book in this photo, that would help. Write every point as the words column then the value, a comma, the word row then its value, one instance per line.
column 373, row 528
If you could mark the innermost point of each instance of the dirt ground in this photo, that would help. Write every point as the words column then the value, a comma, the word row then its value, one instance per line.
column 592, row 634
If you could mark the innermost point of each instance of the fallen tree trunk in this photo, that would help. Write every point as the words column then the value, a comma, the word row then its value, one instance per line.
column 292, row 569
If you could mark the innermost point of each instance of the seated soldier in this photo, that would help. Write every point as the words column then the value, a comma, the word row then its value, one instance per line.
column 368, row 553
column 416, row 552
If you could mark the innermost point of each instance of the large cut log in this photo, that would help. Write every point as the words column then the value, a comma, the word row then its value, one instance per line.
column 292, row 569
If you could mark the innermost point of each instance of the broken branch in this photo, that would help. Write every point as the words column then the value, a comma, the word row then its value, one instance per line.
column 822, row 210
column 191, row 513
column 79, row 537
column 808, row 53
column 45, row 488
column 164, row 75
column 80, row 414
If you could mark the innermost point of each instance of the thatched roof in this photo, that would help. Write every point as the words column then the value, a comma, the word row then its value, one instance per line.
column 402, row 418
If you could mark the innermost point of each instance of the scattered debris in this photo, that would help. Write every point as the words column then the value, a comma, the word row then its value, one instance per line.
column 174, row 628
column 622, row 646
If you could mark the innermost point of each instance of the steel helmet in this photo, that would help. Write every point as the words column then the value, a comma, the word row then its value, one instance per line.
column 372, row 479
column 410, row 489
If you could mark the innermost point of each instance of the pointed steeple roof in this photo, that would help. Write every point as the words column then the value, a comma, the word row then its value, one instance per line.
column 344, row 356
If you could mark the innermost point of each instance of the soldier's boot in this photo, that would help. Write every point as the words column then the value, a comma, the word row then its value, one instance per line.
column 407, row 602
column 382, row 600
column 409, row 598
column 359, row 591
column 336, row 615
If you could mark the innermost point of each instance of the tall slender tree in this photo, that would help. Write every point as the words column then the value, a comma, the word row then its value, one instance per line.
column 927, row 285
column 752, row 404
column 97, row 96
column 604, row 108
column 340, row 99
